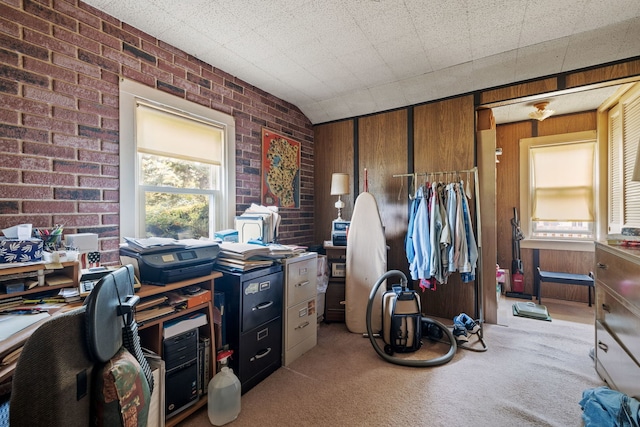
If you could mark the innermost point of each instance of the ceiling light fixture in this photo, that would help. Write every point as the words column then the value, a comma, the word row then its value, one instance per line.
column 541, row 111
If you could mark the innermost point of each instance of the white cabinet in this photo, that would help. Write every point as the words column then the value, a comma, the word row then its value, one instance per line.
column 618, row 318
column 299, row 332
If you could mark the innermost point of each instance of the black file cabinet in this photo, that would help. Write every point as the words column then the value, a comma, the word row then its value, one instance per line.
column 254, row 322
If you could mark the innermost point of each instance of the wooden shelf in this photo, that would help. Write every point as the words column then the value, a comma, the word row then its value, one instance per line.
column 70, row 269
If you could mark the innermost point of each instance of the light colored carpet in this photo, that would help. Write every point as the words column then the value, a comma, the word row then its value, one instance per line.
column 532, row 374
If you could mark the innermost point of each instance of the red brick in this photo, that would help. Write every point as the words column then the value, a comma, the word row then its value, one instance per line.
column 94, row 182
column 25, row 19
column 111, row 124
column 76, row 220
column 48, row 96
column 51, row 43
column 46, row 178
column 9, row 58
column 68, row 8
column 100, row 109
column 199, row 99
column 8, row 207
column 9, row 175
column 8, row 146
column 21, row 132
column 48, row 151
column 112, row 78
column 48, row 206
column 9, row 116
column 174, row 50
column 155, row 71
column 48, row 14
column 99, row 60
column 72, row 166
column 109, row 170
column 111, row 100
column 111, row 195
column 76, row 65
column 75, row 141
column 98, row 157
column 98, row 207
column 97, row 35
column 138, row 76
column 172, row 69
column 122, row 58
column 97, row 133
column 119, row 33
column 186, row 85
column 155, row 50
column 76, row 91
column 9, row 28
column 184, row 62
column 48, row 69
column 81, row 118
column 20, row 75
column 36, row 220
column 109, row 85
column 26, row 192
column 76, row 194
column 110, row 146
column 47, row 124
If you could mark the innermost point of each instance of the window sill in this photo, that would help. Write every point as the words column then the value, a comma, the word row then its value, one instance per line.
column 558, row 245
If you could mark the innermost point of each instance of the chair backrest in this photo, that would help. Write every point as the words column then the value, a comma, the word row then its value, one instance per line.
column 53, row 378
column 68, row 363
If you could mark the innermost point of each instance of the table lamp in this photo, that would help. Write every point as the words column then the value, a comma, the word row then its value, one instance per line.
column 339, row 186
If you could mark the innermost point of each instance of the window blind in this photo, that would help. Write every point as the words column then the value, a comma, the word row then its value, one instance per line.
column 170, row 134
column 562, row 193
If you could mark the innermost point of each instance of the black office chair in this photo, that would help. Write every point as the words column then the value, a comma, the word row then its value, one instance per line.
column 76, row 369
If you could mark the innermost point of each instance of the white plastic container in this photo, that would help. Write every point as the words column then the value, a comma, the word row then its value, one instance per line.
column 224, row 395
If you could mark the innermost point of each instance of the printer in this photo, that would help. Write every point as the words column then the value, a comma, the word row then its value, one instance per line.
column 162, row 261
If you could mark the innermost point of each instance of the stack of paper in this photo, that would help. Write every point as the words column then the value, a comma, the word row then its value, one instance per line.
column 242, row 251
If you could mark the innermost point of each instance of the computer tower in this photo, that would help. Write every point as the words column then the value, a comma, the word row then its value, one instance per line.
column 180, row 354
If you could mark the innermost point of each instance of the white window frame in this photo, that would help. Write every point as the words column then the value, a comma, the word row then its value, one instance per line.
column 525, row 192
column 130, row 212
column 624, row 140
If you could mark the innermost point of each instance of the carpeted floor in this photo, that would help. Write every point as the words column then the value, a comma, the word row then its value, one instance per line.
column 532, row 374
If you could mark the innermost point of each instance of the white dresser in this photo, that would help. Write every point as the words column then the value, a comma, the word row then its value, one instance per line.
column 618, row 317
column 300, row 333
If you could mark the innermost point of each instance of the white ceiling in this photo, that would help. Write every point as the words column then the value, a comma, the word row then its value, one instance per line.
column 336, row 59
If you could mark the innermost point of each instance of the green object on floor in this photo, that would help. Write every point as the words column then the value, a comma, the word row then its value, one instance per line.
column 531, row 310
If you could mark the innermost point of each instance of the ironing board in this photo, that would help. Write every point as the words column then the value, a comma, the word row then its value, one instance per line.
column 366, row 262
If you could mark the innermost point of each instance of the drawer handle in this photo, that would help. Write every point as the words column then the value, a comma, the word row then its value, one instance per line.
column 606, row 308
column 262, row 306
column 262, row 353
column 602, row 346
column 304, row 325
column 305, row 283
column 602, row 266
column 343, row 303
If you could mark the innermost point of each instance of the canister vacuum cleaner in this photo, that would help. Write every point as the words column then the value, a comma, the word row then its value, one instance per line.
column 403, row 325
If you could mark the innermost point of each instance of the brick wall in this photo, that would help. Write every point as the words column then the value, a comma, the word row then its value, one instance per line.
column 60, row 62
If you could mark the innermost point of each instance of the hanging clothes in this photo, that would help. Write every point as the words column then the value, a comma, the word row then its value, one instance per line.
column 440, row 239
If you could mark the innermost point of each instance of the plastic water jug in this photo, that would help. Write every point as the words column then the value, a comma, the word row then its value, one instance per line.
column 224, row 394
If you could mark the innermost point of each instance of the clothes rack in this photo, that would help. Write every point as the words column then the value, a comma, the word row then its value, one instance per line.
column 478, row 294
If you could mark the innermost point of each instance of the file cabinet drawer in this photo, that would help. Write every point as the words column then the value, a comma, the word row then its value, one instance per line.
column 301, row 280
column 302, row 322
column 620, row 273
column 615, row 365
column 623, row 324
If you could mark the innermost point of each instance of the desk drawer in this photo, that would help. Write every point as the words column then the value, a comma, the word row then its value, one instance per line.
column 261, row 350
column 622, row 323
column 618, row 366
column 302, row 322
column 261, row 300
column 301, row 280
column 619, row 273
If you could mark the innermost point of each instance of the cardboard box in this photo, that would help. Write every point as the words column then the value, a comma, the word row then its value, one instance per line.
column 15, row 250
column 199, row 298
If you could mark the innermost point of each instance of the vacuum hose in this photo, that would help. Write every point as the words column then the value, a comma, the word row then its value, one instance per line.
column 400, row 361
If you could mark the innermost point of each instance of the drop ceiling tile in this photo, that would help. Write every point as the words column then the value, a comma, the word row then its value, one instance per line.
column 541, row 59
column 598, row 46
column 454, row 80
column 616, row 11
column 447, row 55
column 487, row 43
column 494, row 70
column 419, row 88
column 388, row 96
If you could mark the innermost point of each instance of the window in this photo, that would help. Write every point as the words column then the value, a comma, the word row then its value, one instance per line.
column 558, row 187
column 624, row 138
column 177, row 166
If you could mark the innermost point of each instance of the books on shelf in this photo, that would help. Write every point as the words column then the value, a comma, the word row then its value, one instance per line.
column 152, row 313
column 183, row 324
column 150, row 302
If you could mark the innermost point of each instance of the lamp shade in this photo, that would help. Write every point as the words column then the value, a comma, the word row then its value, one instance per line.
column 339, row 184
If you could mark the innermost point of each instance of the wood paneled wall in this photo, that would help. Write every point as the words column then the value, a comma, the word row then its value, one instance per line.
column 382, row 150
column 442, row 137
column 333, row 152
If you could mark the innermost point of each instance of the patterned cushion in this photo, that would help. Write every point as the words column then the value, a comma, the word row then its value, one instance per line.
column 121, row 392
